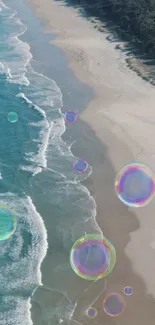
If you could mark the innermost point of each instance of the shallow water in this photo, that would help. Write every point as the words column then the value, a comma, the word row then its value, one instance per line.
column 38, row 181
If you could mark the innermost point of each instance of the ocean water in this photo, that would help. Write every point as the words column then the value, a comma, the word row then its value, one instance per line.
column 37, row 181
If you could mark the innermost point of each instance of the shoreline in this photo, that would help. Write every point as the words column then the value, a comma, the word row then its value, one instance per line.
column 120, row 143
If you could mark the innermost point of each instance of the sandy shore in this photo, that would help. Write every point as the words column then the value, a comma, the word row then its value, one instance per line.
column 122, row 118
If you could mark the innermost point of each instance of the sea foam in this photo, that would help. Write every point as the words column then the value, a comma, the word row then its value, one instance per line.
column 44, row 96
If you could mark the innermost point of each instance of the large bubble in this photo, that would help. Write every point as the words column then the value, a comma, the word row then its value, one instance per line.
column 135, row 185
column 92, row 257
column 114, row 304
column 8, row 223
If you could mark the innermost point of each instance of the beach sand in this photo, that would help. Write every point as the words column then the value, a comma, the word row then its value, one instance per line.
column 122, row 119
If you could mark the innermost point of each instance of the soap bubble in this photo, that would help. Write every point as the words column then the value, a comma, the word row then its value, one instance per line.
column 114, row 304
column 8, row 223
column 80, row 165
column 135, row 185
column 92, row 257
column 71, row 116
column 91, row 312
column 12, row 117
column 128, row 291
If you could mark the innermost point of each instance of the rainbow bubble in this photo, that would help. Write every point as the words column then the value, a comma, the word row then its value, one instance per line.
column 91, row 312
column 71, row 116
column 128, row 291
column 8, row 223
column 135, row 185
column 92, row 257
column 12, row 117
column 114, row 304
column 80, row 165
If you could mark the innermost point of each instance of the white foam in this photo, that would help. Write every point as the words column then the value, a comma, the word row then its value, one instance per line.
column 24, row 269
column 58, row 145
column 22, row 95
column 5, row 69
column 18, row 312
column 16, row 67
column 3, row 5
column 40, row 157
column 50, row 99
column 13, row 14
column 30, row 221
column 51, row 94
column 32, row 169
column 2, row 68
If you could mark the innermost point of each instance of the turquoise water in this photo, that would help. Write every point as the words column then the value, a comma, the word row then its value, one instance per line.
column 37, row 179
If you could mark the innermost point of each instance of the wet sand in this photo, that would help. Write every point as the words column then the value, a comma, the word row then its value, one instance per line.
column 121, row 118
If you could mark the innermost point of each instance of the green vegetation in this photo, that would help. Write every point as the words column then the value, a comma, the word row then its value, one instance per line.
column 135, row 19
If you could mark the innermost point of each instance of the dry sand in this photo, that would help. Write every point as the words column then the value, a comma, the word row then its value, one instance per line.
column 122, row 116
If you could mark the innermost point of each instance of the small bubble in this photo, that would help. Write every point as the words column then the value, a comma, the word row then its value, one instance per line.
column 91, row 312
column 114, row 304
column 128, row 291
column 12, row 117
column 71, row 116
column 80, row 165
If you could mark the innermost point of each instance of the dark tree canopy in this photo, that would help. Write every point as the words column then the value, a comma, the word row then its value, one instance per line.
column 135, row 18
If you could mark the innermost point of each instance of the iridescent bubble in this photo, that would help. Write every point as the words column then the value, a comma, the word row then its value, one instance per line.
column 114, row 304
column 91, row 312
column 71, row 116
column 80, row 165
column 12, row 117
column 8, row 223
column 128, row 291
column 135, row 185
column 92, row 257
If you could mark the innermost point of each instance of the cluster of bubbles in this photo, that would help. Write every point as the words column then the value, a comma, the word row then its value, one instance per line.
column 135, row 182
column 81, row 164
column 135, row 185
column 113, row 304
column 92, row 257
column 8, row 223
